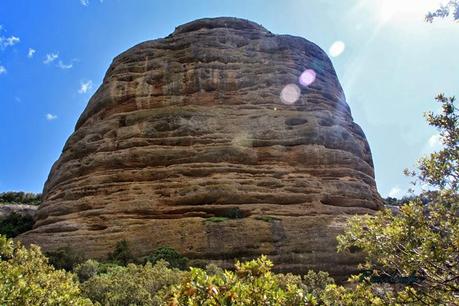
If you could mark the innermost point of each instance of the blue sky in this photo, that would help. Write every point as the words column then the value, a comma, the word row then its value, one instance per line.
column 54, row 54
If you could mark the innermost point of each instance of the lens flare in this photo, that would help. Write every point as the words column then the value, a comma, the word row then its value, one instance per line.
column 336, row 48
column 307, row 77
column 290, row 94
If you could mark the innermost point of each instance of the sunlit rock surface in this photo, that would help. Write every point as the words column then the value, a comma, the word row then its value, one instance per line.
column 194, row 126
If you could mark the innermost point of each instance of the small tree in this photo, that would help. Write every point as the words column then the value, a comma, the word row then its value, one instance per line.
column 174, row 258
column 420, row 245
column 122, row 254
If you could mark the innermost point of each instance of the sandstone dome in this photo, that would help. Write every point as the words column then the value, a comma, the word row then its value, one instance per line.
column 199, row 125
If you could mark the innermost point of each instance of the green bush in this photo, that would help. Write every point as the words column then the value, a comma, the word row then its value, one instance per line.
column 26, row 278
column 175, row 259
column 65, row 258
column 122, row 254
column 252, row 283
column 131, row 285
column 15, row 224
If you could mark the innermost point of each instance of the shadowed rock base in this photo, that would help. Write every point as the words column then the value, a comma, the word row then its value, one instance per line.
column 192, row 126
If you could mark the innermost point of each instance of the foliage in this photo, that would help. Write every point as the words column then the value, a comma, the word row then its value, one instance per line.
column 131, row 285
column 175, row 259
column 252, row 283
column 316, row 282
column 13, row 197
column 216, row 219
column 27, row 279
column 15, row 224
column 64, row 258
column 122, row 254
column 90, row 268
column 421, row 242
column 445, row 10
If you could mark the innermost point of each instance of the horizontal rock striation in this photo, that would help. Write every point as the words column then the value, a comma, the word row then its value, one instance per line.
column 192, row 126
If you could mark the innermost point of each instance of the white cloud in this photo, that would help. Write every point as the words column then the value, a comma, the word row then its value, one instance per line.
column 435, row 141
column 31, row 52
column 8, row 41
column 85, row 86
column 51, row 117
column 84, row 2
column 50, row 57
column 395, row 192
column 2, row 69
column 64, row 66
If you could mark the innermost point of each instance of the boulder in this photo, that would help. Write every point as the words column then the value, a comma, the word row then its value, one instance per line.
column 221, row 140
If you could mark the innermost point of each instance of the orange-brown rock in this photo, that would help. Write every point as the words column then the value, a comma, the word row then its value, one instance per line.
column 192, row 126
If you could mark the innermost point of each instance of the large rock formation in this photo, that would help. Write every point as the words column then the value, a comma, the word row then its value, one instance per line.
column 200, row 124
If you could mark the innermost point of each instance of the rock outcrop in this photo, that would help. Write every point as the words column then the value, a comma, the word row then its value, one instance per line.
column 7, row 210
column 212, row 121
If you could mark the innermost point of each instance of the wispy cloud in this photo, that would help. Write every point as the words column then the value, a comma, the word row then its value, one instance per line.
column 51, row 117
column 31, row 52
column 395, row 192
column 2, row 70
column 64, row 66
column 50, row 57
column 84, row 2
column 85, row 86
column 8, row 41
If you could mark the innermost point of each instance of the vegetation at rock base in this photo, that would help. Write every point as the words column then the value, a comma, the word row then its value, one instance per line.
column 26, row 278
column 252, row 283
column 15, row 224
column 130, row 285
column 64, row 258
column 122, row 254
column 216, row 219
column 13, row 197
column 171, row 256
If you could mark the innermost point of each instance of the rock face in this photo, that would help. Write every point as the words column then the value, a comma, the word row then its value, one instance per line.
column 200, row 124
column 24, row 210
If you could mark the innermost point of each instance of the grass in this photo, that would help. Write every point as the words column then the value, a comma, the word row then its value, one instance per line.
column 216, row 219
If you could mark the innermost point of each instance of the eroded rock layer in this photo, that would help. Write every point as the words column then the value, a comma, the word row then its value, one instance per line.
column 192, row 126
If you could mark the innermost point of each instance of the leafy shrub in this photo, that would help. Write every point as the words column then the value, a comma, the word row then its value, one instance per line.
column 15, row 224
column 65, row 258
column 316, row 282
column 86, row 270
column 175, row 259
column 131, row 285
column 26, row 278
column 252, row 283
column 122, row 254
